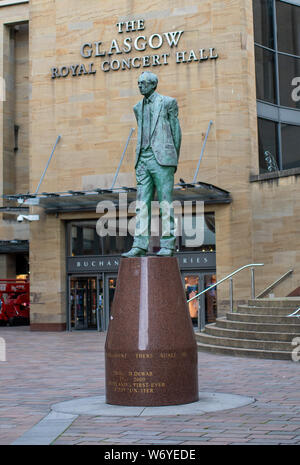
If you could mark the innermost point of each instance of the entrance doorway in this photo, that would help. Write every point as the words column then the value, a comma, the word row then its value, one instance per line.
column 202, row 310
column 83, row 302
column 110, row 287
column 91, row 297
column 90, row 300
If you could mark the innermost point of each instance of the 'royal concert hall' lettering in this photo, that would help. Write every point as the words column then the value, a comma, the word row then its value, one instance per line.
column 116, row 56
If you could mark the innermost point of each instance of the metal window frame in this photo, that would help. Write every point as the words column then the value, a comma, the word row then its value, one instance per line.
column 291, row 2
column 98, row 276
column 278, row 113
column 12, row 2
column 274, row 50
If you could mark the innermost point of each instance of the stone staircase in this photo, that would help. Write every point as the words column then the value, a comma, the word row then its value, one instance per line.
column 260, row 329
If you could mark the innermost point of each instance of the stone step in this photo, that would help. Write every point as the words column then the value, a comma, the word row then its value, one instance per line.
column 204, row 338
column 214, row 330
column 260, row 310
column 276, row 302
column 238, row 352
column 246, row 317
column 263, row 327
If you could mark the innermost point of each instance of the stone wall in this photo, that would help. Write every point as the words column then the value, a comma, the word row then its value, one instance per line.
column 14, row 111
column 276, row 238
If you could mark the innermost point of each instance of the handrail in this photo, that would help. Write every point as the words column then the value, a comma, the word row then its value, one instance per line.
column 278, row 281
column 224, row 279
column 295, row 313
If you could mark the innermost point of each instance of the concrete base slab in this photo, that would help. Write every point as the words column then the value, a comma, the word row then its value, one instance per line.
column 63, row 414
column 208, row 402
column 47, row 430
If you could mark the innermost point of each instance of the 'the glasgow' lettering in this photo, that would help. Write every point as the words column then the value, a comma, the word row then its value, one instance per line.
column 139, row 44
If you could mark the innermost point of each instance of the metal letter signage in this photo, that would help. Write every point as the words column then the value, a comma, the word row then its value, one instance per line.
column 113, row 58
column 95, row 264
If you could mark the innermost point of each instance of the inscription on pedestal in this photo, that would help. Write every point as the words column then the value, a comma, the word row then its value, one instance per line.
column 132, row 380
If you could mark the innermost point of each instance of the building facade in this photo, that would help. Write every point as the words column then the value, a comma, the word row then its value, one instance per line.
column 70, row 69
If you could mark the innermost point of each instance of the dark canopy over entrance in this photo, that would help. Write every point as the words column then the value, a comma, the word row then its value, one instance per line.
column 54, row 202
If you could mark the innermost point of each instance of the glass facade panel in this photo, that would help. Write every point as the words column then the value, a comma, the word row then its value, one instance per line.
column 198, row 236
column 85, row 241
column 290, row 136
column 289, row 69
column 268, row 146
column 263, row 22
column 210, row 298
column 204, row 308
column 265, row 75
column 288, row 28
column 192, row 288
column 277, row 82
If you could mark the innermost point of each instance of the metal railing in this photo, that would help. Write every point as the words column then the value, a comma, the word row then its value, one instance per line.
column 201, row 324
column 273, row 285
column 295, row 313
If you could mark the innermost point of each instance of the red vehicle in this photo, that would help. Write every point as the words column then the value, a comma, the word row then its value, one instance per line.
column 14, row 302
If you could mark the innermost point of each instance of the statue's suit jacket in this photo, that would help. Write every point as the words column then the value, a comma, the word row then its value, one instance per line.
column 165, row 130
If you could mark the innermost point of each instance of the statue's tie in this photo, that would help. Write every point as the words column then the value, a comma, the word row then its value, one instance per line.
column 147, row 123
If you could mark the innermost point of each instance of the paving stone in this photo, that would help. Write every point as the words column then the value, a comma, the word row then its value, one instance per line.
column 48, row 368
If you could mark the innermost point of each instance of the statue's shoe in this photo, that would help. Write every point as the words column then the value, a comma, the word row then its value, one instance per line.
column 134, row 252
column 164, row 252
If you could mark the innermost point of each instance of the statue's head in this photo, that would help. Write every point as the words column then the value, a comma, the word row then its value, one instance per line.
column 147, row 83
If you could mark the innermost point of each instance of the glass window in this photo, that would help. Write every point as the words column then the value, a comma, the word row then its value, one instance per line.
column 192, row 288
column 85, row 241
column 268, row 146
column 288, row 28
column 278, row 70
column 89, row 240
column 198, row 236
column 289, row 69
column 290, row 136
column 263, row 22
column 265, row 75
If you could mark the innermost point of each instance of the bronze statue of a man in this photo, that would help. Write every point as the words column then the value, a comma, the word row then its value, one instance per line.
column 157, row 153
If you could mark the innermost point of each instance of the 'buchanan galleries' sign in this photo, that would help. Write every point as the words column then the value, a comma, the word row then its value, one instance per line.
column 112, row 60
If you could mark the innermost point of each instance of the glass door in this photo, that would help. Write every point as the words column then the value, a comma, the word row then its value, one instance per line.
column 109, row 292
column 202, row 310
column 101, row 324
column 210, row 298
column 83, row 303
column 193, row 284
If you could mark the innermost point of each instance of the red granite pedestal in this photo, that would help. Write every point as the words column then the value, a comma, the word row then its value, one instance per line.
column 150, row 350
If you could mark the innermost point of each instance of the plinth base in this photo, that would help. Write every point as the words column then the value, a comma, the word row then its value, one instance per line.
column 208, row 402
column 150, row 350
